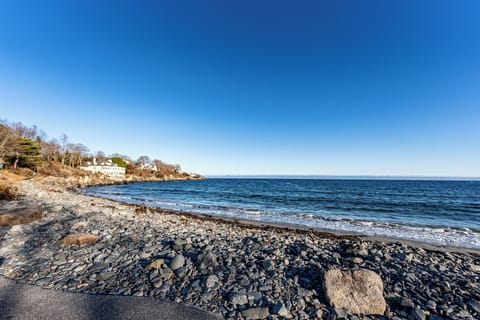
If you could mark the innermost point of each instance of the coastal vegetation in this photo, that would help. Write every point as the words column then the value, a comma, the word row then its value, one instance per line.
column 27, row 151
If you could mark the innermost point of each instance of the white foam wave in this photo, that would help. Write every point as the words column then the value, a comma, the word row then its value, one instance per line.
column 442, row 236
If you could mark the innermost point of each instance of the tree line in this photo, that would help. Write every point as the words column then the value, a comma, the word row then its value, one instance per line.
column 24, row 146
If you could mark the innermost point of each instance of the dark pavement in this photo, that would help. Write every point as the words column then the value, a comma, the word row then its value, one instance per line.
column 23, row 301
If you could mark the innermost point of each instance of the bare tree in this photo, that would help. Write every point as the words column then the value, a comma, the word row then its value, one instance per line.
column 144, row 160
column 119, row 155
column 51, row 149
column 64, row 142
column 23, row 131
column 101, row 156
column 6, row 138
column 81, row 152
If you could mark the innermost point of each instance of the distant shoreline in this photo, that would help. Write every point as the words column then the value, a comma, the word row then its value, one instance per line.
column 344, row 177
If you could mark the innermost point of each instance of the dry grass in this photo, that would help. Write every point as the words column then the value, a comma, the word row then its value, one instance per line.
column 21, row 172
column 56, row 169
column 8, row 186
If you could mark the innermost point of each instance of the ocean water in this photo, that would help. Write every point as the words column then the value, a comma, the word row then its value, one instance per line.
column 436, row 212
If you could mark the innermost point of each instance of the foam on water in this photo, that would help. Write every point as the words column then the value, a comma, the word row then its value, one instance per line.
column 381, row 215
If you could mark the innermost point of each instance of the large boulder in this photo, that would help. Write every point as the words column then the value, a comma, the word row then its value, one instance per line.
column 358, row 291
column 20, row 216
column 79, row 239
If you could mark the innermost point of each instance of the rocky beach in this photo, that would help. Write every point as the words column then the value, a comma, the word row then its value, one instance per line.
column 80, row 243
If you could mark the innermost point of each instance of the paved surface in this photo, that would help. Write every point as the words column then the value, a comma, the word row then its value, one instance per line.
column 22, row 301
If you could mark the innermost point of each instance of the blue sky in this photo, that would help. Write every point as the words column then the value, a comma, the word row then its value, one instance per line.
column 252, row 87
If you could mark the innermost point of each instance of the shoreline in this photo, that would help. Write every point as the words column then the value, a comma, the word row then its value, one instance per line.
column 299, row 228
column 231, row 268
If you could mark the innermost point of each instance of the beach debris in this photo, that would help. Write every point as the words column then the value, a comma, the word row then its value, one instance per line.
column 80, row 239
column 358, row 291
column 20, row 216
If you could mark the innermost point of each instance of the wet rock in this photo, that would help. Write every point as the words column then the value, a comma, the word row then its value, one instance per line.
column 359, row 291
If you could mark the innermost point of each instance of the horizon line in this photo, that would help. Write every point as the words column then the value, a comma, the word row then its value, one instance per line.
column 356, row 177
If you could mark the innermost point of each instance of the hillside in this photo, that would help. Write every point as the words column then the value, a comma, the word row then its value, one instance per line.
column 27, row 152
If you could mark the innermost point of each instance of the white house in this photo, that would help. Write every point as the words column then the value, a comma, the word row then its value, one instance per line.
column 151, row 167
column 106, row 167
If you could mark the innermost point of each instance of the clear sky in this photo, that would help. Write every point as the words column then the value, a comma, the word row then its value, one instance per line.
column 252, row 87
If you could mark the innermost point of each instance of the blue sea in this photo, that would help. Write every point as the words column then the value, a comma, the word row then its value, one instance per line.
column 436, row 212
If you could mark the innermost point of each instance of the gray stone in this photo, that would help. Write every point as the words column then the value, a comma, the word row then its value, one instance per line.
column 97, row 267
column 474, row 305
column 406, row 303
column 177, row 262
column 107, row 275
column 281, row 310
column 431, row 305
column 358, row 291
column 239, row 299
column 255, row 313
column 211, row 281
column 418, row 314
column 207, row 260
column 338, row 314
column 475, row 268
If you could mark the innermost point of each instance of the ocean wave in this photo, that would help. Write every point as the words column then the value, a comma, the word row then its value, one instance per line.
column 437, row 235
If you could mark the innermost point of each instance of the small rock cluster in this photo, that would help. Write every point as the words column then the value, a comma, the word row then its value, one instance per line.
column 236, row 271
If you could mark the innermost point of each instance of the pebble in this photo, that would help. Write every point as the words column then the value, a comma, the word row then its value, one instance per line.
column 177, row 262
column 239, row 299
column 255, row 313
column 281, row 310
column 357, row 260
column 211, row 281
